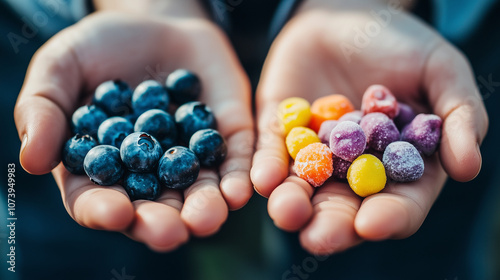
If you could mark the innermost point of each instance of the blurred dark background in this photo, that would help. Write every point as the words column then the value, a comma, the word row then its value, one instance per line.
column 459, row 240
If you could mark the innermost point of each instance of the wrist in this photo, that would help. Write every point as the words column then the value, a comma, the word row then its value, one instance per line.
column 155, row 8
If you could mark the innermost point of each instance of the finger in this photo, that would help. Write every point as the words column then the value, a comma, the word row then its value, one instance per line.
column 158, row 223
column 270, row 162
column 235, row 171
column 289, row 205
column 93, row 206
column 400, row 209
column 455, row 98
column 331, row 229
column 44, row 104
column 204, row 209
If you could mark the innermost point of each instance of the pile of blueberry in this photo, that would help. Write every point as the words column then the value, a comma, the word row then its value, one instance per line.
column 130, row 138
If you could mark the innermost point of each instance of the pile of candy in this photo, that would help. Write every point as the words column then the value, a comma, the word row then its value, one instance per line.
column 129, row 137
column 384, row 139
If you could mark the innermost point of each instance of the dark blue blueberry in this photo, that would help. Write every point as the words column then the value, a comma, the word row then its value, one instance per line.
column 141, row 186
column 178, row 168
column 86, row 120
column 183, row 86
column 160, row 125
column 74, row 152
column 191, row 117
column 113, row 130
column 140, row 152
column 149, row 95
column 209, row 146
column 114, row 97
column 103, row 165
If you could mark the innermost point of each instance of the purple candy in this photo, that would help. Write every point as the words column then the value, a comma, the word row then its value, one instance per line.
column 405, row 116
column 340, row 168
column 354, row 116
column 403, row 162
column 380, row 131
column 373, row 152
column 347, row 140
column 325, row 130
column 424, row 132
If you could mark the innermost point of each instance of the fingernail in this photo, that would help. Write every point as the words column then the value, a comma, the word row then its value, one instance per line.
column 24, row 141
column 478, row 150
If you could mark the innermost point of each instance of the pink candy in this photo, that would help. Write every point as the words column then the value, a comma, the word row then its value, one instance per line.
column 378, row 98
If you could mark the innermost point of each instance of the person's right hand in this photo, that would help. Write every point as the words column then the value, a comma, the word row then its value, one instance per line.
column 317, row 54
column 104, row 46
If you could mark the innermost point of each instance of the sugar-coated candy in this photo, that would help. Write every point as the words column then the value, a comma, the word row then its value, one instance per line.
column 424, row 132
column 366, row 175
column 325, row 130
column 298, row 138
column 330, row 107
column 403, row 162
column 347, row 140
column 380, row 131
column 378, row 98
column 293, row 112
column 340, row 168
column 405, row 116
column 354, row 116
column 314, row 164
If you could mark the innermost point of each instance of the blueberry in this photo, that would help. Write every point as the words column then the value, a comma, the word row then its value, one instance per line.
column 183, row 86
column 114, row 97
column 103, row 165
column 160, row 125
column 209, row 146
column 140, row 152
column 149, row 95
column 178, row 168
column 86, row 120
column 113, row 130
column 74, row 152
column 191, row 117
column 141, row 186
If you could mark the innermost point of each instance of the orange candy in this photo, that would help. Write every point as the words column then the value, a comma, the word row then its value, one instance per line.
column 314, row 163
column 330, row 107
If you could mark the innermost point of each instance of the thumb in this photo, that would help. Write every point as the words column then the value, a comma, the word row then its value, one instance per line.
column 46, row 101
column 455, row 98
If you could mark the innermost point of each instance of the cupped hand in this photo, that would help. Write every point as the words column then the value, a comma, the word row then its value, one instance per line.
column 321, row 52
column 104, row 46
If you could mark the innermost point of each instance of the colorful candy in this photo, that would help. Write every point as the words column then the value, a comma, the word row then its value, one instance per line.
column 366, row 175
column 340, row 168
column 347, row 140
column 293, row 112
column 314, row 164
column 354, row 116
column 298, row 138
column 330, row 107
column 424, row 132
column 380, row 131
column 405, row 116
column 403, row 162
column 325, row 130
column 378, row 98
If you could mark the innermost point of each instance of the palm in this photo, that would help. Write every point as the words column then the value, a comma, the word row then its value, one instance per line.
column 109, row 46
column 307, row 60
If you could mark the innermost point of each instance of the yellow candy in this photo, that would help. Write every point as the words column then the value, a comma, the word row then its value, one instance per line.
column 294, row 112
column 366, row 175
column 298, row 138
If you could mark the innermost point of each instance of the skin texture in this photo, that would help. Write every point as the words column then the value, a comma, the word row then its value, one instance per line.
column 68, row 68
column 417, row 65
